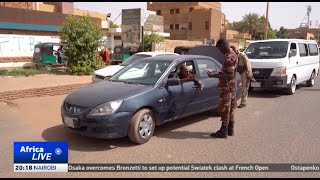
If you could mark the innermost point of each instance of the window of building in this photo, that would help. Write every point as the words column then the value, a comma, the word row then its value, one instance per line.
column 171, row 11
column 207, row 25
column 177, row 11
column 159, row 12
column 176, row 26
column 313, row 49
column 171, row 26
column 302, row 50
column 191, row 9
column 190, row 25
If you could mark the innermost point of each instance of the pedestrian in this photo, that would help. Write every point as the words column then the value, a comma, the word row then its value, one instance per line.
column 60, row 55
column 227, row 88
column 245, row 70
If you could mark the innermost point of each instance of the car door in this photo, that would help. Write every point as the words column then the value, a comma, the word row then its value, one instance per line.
column 179, row 99
column 209, row 96
column 294, row 62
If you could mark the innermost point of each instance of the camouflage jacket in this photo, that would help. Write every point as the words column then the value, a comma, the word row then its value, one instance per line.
column 227, row 78
column 244, row 65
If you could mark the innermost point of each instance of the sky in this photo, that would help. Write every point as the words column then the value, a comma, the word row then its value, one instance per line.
column 286, row 14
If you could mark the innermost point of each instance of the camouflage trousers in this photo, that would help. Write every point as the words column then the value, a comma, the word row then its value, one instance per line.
column 227, row 105
column 245, row 87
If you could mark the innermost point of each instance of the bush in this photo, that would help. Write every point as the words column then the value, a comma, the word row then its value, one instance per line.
column 81, row 38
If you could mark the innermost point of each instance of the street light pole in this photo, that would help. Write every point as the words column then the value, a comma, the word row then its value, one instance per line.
column 266, row 25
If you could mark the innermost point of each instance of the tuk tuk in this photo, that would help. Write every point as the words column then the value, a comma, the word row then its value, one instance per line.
column 121, row 54
column 182, row 49
column 46, row 55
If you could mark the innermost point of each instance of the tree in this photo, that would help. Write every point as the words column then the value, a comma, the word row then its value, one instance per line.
column 251, row 23
column 149, row 39
column 81, row 38
column 113, row 25
column 282, row 33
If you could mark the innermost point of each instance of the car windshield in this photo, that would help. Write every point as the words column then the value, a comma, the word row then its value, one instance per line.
column 134, row 58
column 267, row 50
column 146, row 72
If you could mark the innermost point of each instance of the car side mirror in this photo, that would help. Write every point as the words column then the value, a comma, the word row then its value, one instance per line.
column 293, row 52
column 173, row 82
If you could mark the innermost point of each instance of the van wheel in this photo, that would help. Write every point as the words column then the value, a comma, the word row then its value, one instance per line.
column 142, row 126
column 293, row 85
column 311, row 81
column 48, row 67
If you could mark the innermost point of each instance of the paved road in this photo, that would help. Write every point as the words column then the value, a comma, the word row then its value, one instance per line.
column 273, row 128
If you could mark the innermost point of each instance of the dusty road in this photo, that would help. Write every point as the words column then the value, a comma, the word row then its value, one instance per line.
column 273, row 128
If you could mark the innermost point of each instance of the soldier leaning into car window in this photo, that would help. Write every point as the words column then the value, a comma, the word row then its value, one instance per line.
column 244, row 69
column 186, row 75
column 227, row 88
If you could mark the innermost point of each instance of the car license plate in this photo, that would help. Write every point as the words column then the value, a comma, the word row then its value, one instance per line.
column 255, row 84
column 71, row 122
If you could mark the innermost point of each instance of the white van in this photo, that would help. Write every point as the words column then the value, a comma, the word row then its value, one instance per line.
column 283, row 63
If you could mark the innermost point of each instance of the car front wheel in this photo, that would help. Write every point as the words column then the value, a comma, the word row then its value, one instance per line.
column 293, row 85
column 142, row 126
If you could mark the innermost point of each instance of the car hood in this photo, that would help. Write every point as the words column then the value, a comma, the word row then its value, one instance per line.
column 102, row 92
column 109, row 70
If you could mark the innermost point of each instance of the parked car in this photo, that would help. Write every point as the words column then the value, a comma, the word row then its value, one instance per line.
column 108, row 71
column 124, row 106
column 283, row 63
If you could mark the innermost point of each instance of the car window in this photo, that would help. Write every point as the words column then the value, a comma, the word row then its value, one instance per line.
column 133, row 58
column 175, row 73
column 150, row 73
column 204, row 66
column 302, row 50
column 313, row 50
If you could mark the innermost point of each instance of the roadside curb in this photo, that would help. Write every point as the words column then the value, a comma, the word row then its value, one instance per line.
column 40, row 92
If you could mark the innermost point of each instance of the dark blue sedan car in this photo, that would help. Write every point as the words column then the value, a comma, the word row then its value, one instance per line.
column 142, row 95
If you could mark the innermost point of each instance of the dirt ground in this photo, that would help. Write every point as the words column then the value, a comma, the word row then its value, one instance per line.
column 40, row 81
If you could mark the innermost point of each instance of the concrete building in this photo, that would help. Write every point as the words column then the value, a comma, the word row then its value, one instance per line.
column 191, row 20
column 303, row 33
column 24, row 24
column 41, row 18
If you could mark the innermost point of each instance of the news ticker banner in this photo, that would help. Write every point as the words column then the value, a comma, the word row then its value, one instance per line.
column 40, row 156
column 53, row 157
column 194, row 168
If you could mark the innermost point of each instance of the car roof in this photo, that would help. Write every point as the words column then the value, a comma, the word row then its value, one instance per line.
column 174, row 58
column 157, row 53
column 289, row 40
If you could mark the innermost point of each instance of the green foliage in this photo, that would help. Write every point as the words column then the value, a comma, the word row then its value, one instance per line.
column 254, row 24
column 282, row 33
column 81, row 38
column 149, row 39
column 23, row 72
column 113, row 25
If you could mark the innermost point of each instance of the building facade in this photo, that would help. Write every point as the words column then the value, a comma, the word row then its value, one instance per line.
column 304, row 33
column 191, row 20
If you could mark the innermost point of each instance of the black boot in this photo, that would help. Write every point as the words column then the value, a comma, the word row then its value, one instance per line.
column 222, row 133
column 230, row 128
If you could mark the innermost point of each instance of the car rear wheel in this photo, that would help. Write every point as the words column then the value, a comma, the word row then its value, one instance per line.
column 293, row 85
column 142, row 126
column 311, row 81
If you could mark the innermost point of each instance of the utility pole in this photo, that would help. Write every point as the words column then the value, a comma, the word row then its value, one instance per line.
column 266, row 25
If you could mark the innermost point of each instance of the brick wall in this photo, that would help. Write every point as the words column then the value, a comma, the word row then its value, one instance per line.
column 39, row 92
column 15, row 59
column 169, row 45
column 20, row 5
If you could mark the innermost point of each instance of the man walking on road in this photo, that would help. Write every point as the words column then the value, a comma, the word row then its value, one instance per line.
column 244, row 68
column 227, row 88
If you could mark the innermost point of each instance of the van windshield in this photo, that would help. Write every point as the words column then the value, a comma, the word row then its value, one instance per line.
column 267, row 50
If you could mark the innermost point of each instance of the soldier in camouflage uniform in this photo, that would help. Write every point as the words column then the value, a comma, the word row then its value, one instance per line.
column 245, row 70
column 227, row 88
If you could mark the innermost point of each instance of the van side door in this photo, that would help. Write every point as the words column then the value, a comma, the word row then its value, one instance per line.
column 292, row 67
